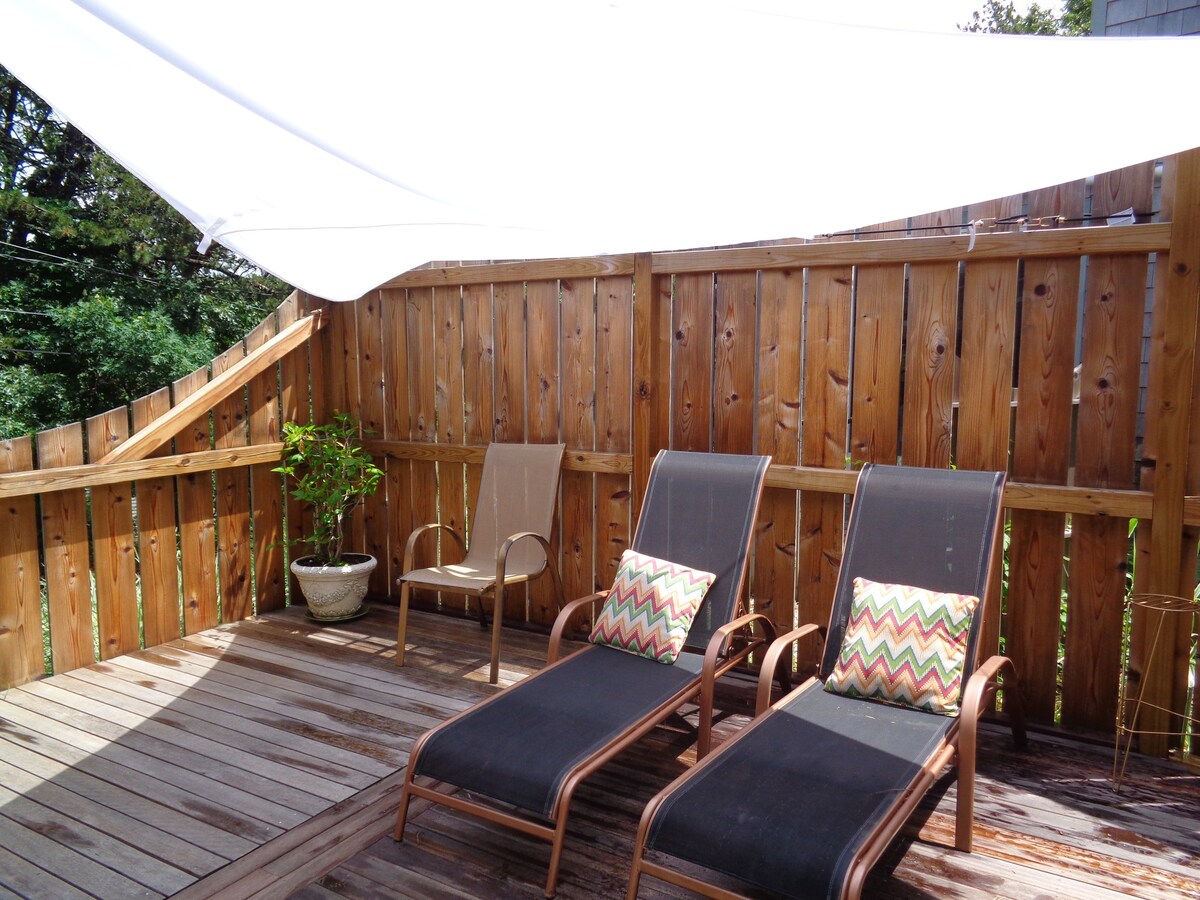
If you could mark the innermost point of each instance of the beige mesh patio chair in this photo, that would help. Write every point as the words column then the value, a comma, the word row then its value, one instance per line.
column 510, row 537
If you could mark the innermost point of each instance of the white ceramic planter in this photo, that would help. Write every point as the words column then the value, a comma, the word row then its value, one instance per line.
column 334, row 592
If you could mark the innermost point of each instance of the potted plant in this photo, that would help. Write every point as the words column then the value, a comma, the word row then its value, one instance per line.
column 332, row 473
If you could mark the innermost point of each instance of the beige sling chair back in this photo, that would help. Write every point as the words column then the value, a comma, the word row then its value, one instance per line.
column 510, row 537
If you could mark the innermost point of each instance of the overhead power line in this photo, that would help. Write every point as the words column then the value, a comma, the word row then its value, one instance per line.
column 55, row 260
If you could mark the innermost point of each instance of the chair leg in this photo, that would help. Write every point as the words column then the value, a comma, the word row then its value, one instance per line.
column 497, row 615
column 482, row 613
column 635, row 869
column 556, row 849
column 964, row 818
column 403, row 627
column 402, row 813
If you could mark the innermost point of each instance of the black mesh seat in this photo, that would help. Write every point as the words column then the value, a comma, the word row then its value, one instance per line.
column 803, row 801
column 519, row 756
column 780, row 811
column 521, row 750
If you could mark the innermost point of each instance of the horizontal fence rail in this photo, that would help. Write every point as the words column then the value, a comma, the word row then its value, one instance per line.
column 1064, row 356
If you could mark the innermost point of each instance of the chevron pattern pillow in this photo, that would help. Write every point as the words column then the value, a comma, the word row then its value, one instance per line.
column 904, row 645
column 650, row 607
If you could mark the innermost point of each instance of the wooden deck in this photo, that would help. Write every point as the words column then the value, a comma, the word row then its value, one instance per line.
column 264, row 758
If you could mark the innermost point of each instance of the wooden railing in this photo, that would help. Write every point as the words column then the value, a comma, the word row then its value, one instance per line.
column 150, row 547
column 933, row 350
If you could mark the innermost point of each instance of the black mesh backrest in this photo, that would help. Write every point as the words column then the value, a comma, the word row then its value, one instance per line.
column 699, row 512
column 929, row 528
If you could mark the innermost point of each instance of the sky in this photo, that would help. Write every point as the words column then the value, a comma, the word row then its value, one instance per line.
column 915, row 15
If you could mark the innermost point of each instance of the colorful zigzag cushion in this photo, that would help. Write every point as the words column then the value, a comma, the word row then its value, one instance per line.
column 904, row 645
column 650, row 607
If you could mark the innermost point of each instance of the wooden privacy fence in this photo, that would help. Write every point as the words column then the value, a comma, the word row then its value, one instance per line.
column 119, row 542
column 923, row 345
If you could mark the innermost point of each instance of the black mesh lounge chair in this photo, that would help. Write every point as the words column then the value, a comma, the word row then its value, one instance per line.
column 519, row 756
column 510, row 537
column 803, row 801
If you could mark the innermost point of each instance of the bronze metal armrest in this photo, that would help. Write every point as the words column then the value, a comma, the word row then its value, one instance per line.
column 771, row 663
column 410, row 546
column 568, row 612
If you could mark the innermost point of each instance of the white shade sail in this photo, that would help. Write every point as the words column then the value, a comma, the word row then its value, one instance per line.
column 340, row 144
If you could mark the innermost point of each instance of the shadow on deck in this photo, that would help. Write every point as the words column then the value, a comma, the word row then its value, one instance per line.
column 265, row 758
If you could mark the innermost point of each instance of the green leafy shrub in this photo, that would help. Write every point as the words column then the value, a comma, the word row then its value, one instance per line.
column 332, row 473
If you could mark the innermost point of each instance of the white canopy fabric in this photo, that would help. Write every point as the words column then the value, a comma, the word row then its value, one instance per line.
column 340, row 144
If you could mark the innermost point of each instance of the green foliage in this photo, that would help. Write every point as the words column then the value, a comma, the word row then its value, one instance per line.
column 1076, row 18
column 127, row 353
column 332, row 473
column 28, row 398
column 998, row 17
column 103, row 296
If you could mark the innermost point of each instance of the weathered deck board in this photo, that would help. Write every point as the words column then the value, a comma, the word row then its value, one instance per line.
column 205, row 767
column 138, row 775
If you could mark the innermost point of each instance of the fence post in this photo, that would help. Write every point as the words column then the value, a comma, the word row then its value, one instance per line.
column 1170, row 425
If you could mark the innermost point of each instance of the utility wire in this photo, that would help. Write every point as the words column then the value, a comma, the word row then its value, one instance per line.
column 1007, row 221
column 64, row 261
column 53, row 260
column 45, row 352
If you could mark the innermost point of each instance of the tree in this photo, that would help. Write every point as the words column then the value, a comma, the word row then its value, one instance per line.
column 103, row 296
column 999, row 17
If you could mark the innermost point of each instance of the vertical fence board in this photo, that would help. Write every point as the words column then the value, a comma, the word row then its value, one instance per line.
column 985, row 392
column 782, row 302
column 65, row 551
column 313, row 399
column 578, row 384
column 266, row 489
column 421, row 385
column 663, row 299
column 114, row 559
column 21, row 653
column 614, row 422
column 509, row 305
column 158, row 567
column 341, row 377
column 879, row 327
column 373, row 401
column 1114, row 301
column 652, row 367
column 197, row 541
column 823, row 437
column 296, row 403
column 396, row 427
column 542, row 363
column 692, row 363
column 986, row 368
column 929, row 365
column 542, row 393
column 345, row 395
column 479, row 377
column 448, row 313
column 735, row 304
column 236, row 572
column 1042, row 455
